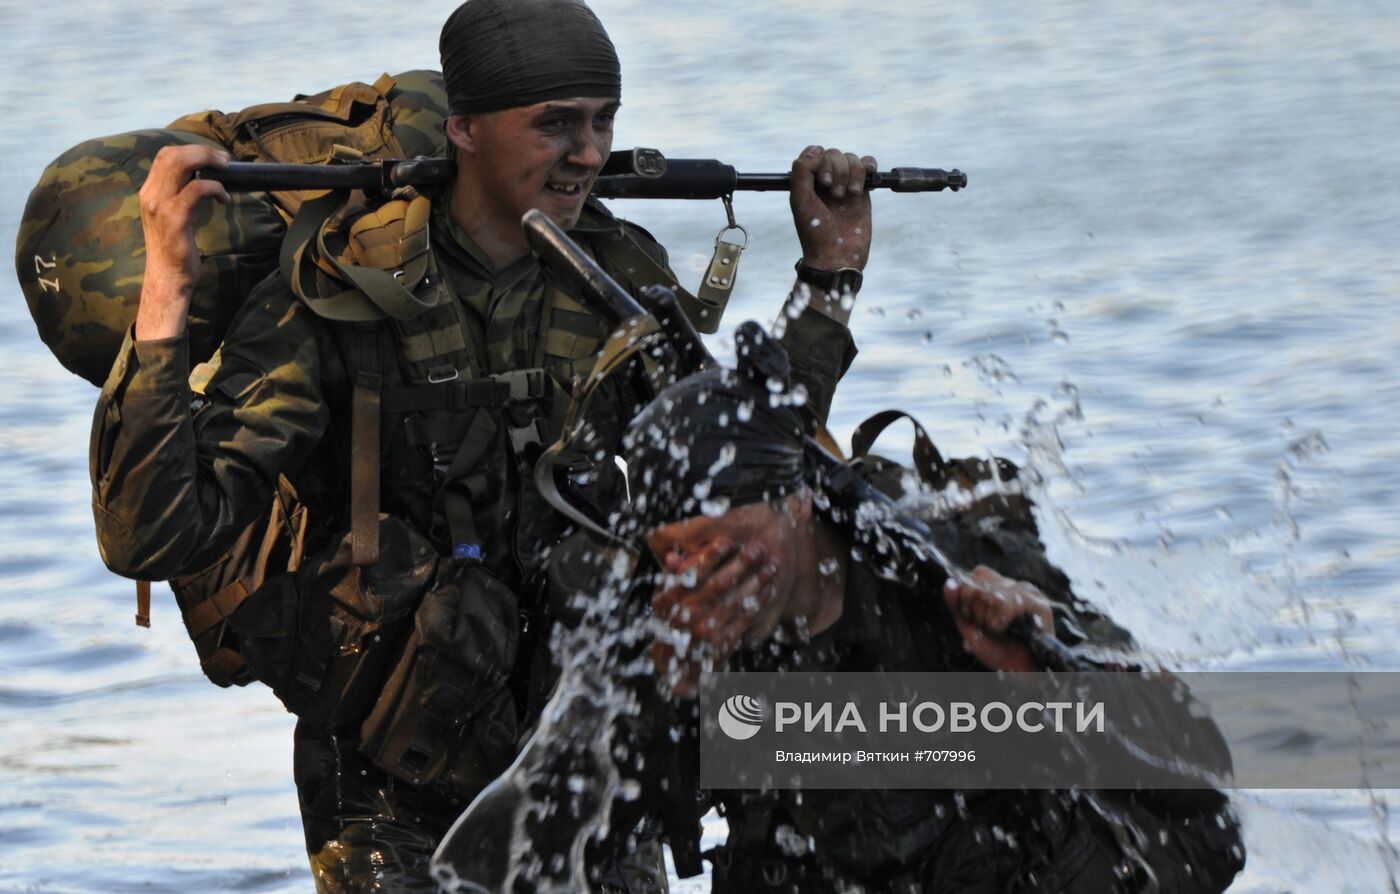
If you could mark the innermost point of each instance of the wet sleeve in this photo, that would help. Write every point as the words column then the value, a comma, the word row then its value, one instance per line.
column 175, row 476
column 820, row 351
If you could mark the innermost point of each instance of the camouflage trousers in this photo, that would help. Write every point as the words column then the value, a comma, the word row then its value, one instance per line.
column 370, row 833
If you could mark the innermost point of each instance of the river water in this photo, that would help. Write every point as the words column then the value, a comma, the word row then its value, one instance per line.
column 1171, row 285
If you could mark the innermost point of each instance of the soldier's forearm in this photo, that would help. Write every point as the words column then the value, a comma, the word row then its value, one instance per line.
column 142, row 440
column 165, row 305
column 820, row 350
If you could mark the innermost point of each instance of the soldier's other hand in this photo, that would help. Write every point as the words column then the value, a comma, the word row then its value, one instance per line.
column 831, row 207
column 985, row 604
column 706, row 603
column 169, row 199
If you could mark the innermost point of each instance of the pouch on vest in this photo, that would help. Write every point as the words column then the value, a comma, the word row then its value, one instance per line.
column 270, row 547
column 446, row 716
column 325, row 637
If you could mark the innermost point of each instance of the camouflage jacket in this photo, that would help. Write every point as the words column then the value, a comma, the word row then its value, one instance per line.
column 178, row 473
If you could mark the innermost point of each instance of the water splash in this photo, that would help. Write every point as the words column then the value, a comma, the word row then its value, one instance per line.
column 528, row 830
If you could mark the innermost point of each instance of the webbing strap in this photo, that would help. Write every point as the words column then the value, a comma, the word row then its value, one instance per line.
column 216, row 609
column 445, row 396
column 636, row 264
column 384, row 84
column 377, row 293
column 631, row 339
column 364, row 469
column 143, row 603
column 461, row 490
column 928, row 462
column 498, row 391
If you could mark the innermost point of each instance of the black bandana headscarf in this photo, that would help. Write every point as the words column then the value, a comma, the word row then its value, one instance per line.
column 718, row 439
column 500, row 54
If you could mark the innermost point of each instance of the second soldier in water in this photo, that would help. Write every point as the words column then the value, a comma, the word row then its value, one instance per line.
column 765, row 572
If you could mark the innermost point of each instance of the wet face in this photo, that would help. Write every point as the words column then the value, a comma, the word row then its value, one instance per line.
column 543, row 156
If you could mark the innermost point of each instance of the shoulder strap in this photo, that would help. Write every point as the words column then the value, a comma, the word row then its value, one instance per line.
column 618, row 250
column 367, row 366
column 376, row 293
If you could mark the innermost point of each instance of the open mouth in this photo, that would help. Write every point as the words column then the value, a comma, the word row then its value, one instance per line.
column 568, row 190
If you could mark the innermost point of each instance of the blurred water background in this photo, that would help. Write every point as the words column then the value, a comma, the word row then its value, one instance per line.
column 1171, row 287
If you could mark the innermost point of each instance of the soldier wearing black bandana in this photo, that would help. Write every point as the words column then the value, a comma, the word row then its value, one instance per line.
column 534, row 86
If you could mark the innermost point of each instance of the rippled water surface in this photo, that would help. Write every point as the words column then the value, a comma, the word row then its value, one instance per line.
column 1171, row 284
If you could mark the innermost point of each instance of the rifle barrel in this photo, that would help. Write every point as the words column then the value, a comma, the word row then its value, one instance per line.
column 705, row 178
column 629, row 174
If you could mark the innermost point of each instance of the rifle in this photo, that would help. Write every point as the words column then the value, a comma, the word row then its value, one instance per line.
column 628, row 174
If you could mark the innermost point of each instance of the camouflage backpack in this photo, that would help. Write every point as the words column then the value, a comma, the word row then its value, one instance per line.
column 80, row 255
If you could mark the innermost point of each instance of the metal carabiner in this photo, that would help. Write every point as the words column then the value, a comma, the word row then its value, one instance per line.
column 732, row 225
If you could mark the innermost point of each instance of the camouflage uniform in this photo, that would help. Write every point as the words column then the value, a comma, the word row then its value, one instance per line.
column 178, row 475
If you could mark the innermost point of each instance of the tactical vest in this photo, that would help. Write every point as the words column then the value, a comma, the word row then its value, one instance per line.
column 435, row 438
column 445, row 423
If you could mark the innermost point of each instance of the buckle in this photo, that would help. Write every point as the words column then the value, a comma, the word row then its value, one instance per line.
column 528, row 435
column 439, row 374
column 524, row 384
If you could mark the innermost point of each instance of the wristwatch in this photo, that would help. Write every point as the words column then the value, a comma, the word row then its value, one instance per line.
column 842, row 280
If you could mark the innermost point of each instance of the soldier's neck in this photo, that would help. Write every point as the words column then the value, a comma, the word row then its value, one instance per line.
column 502, row 241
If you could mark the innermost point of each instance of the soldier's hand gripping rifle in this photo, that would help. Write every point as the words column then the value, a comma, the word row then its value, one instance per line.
column 628, row 174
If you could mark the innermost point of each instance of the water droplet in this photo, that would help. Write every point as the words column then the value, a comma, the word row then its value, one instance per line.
column 716, row 507
column 789, row 841
column 744, row 411
column 816, row 222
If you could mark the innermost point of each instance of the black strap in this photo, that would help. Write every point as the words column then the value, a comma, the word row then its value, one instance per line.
column 445, row 396
column 928, row 462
